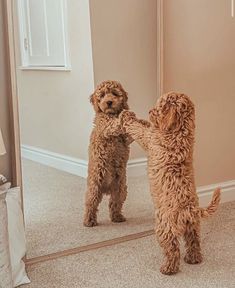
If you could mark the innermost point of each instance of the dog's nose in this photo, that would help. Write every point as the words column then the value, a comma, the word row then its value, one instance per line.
column 109, row 103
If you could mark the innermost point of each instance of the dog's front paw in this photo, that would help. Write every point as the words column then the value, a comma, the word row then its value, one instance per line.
column 144, row 122
column 126, row 117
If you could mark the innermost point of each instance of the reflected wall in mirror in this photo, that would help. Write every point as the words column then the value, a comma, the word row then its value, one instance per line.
column 63, row 50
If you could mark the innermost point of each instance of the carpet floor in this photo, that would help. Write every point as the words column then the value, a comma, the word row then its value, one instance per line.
column 54, row 207
column 136, row 263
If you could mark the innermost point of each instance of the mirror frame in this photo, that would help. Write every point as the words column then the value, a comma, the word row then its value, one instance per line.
column 13, row 96
column 15, row 129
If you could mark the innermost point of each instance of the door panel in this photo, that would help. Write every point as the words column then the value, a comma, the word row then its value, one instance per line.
column 199, row 59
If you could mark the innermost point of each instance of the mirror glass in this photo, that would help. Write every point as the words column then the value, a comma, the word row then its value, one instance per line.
column 63, row 50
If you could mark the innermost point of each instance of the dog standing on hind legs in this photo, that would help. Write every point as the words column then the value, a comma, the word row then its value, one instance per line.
column 169, row 140
column 108, row 153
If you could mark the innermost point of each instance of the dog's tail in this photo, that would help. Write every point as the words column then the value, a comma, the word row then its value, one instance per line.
column 213, row 206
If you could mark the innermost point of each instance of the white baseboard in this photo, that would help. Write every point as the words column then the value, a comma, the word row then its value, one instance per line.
column 227, row 192
column 135, row 168
column 59, row 161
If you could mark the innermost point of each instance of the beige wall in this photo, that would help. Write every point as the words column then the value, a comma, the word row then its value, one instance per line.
column 125, row 48
column 5, row 161
column 55, row 113
column 199, row 60
column 199, row 47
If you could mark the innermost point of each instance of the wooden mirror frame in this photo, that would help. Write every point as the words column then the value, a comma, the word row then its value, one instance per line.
column 13, row 96
column 15, row 130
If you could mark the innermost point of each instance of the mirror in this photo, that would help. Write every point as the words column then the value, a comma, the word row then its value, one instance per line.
column 63, row 49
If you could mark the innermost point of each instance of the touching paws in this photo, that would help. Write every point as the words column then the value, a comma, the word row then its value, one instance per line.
column 126, row 117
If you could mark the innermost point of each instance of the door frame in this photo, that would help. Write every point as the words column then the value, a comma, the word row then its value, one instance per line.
column 160, row 48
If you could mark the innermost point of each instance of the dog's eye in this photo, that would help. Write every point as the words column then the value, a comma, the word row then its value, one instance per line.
column 115, row 93
column 165, row 109
column 102, row 95
column 183, row 107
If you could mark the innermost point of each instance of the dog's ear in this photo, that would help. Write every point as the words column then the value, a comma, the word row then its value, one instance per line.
column 92, row 99
column 153, row 116
column 125, row 100
column 169, row 119
column 94, row 102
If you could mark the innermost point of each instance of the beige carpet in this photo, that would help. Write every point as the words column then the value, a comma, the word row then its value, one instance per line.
column 53, row 203
column 135, row 264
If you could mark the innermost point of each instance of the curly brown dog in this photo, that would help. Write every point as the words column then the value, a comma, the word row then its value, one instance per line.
column 169, row 141
column 108, row 153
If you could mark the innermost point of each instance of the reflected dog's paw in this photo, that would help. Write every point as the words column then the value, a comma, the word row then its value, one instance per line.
column 90, row 223
column 126, row 117
column 118, row 218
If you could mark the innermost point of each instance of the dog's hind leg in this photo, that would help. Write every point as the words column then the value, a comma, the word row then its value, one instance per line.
column 93, row 199
column 117, row 199
column 192, row 243
column 171, row 248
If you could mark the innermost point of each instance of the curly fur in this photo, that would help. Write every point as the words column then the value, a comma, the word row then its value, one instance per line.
column 169, row 141
column 108, row 153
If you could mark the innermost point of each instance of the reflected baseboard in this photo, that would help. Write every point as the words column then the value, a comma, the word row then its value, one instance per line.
column 59, row 161
column 137, row 167
column 75, row 166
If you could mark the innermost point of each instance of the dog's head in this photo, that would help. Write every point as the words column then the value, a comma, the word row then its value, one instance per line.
column 173, row 112
column 109, row 97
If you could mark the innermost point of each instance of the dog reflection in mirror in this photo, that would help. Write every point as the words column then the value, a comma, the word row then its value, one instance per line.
column 169, row 141
column 108, row 153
